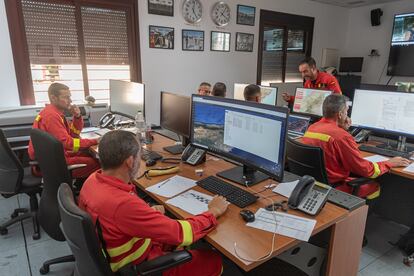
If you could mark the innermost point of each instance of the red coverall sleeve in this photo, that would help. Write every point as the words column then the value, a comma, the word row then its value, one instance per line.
column 333, row 85
column 76, row 126
column 353, row 161
column 55, row 126
column 137, row 219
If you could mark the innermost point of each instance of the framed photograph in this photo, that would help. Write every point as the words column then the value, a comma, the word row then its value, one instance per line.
column 244, row 42
column 193, row 40
column 161, row 7
column 220, row 41
column 246, row 15
column 161, row 37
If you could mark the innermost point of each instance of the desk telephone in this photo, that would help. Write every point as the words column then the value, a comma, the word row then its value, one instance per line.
column 193, row 155
column 106, row 120
column 309, row 196
column 360, row 135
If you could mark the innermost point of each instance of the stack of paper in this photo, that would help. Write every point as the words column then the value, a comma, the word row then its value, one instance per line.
column 191, row 201
column 172, row 186
column 285, row 188
column 410, row 168
column 376, row 158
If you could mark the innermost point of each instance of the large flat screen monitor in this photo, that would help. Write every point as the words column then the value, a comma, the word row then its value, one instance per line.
column 126, row 98
column 351, row 64
column 388, row 112
column 175, row 113
column 268, row 94
column 251, row 133
column 309, row 101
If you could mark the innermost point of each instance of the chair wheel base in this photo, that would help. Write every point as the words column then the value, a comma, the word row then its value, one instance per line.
column 3, row 231
column 44, row 270
column 36, row 236
column 14, row 215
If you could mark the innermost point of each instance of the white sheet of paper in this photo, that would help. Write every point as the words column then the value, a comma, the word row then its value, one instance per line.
column 191, row 201
column 285, row 188
column 410, row 168
column 376, row 158
column 287, row 225
column 172, row 186
column 89, row 129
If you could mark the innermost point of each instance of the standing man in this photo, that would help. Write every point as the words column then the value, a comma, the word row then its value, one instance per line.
column 204, row 89
column 52, row 120
column 313, row 78
column 132, row 230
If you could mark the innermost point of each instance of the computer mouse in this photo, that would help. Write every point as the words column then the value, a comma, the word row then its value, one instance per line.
column 150, row 162
column 247, row 215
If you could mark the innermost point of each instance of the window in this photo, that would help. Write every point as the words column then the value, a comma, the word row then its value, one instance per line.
column 81, row 43
column 285, row 41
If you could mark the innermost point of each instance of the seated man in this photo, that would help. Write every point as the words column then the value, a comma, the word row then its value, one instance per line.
column 132, row 230
column 52, row 120
column 252, row 93
column 341, row 153
column 204, row 89
column 313, row 78
column 219, row 90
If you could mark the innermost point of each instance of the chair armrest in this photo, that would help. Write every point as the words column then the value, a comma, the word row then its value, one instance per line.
column 75, row 166
column 164, row 262
column 33, row 163
column 356, row 183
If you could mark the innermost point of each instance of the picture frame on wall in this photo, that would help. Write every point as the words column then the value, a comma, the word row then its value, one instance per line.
column 220, row 41
column 164, row 7
column 246, row 15
column 192, row 40
column 244, row 42
column 161, row 37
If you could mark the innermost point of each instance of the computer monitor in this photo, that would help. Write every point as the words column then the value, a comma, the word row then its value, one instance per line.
column 297, row 125
column 126, row 98
column 251, row 133
column 351, row 64
column 378, row 87
column 384, row 111
column 175, row 113
column 268, row 94
column 309, row 101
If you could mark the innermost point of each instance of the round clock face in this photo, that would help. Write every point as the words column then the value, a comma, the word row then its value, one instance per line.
column 221, row 14
column 192, row 11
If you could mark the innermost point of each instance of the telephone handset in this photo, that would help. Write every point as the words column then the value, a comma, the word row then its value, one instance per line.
column 106, row 120
column 362, row 136
column 309, row 196
column 193, row 155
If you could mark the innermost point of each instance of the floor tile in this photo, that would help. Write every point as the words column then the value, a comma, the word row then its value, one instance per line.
column 365, row 260
column 14, row 262
column 14, row 238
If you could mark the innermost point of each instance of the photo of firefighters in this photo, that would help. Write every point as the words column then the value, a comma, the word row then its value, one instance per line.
column 161, row 37
column 193, row 40
column 161, row 7
column 244, row 42
column 245, row 15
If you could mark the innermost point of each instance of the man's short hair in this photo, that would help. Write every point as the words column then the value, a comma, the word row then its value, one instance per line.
column 251, row 91
column 205, row 84
column 333, row 104
column 115, row 147
column 55, row 88
column 309, row 61
column 219, row 90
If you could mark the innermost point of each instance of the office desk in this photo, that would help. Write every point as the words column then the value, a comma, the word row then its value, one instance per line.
column 347, row 228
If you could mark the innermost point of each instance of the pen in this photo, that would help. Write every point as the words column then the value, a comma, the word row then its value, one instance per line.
column 162, row 184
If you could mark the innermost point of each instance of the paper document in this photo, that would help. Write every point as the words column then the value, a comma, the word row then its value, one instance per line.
column 285, row 188
column 376, row 158
column 410, row 168
column 191, row 201
column 89, row 129
column 172, row 186
column 286, row 225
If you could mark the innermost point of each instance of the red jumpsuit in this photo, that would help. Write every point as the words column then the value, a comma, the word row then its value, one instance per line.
column 342, row 157
column 134, row 232
column 323, row 81
column 52, row 120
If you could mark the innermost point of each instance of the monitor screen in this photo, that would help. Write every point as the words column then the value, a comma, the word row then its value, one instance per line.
column 250, row 133
column 298, row 124
column 351, row 64
column 126, row 98
column 268, row 94
column 309, row 101
column 384, row 111
column 378, row 87
column 175, row 113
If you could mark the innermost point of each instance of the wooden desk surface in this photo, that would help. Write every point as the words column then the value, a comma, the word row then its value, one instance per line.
column 251, row 243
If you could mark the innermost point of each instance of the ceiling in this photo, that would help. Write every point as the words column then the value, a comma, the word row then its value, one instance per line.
column 352, row 3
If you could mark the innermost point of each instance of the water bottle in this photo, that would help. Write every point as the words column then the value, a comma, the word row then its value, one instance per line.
column 140, row 125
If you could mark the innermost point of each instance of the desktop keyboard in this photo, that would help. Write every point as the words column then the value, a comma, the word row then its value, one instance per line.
column 386, row 152
column 147, row 154
column 237, row 196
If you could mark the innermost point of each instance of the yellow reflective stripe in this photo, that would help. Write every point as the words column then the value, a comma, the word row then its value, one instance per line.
column 131, row 257
column 375, row 194
column 377, row 171
column 38, row 117
column 187, row 233
column 76, row 144
column 73, row 128
column 318, row 136
column 123, row 248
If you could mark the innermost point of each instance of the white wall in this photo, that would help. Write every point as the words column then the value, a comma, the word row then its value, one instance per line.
column 362, row 37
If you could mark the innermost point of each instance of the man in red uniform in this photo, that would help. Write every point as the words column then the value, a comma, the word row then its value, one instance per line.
column 313, row 78
column 52, row 120
column 341, row 153
column 132, row 230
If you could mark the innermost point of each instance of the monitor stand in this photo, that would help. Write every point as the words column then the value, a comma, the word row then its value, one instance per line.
column 244, row 176
column 179, row 148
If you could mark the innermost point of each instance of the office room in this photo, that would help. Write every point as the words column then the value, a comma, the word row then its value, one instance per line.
column 178, row 137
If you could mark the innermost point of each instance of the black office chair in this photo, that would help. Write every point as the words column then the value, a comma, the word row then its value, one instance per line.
column 81, row 236
column 51, row 160
column 14, row 179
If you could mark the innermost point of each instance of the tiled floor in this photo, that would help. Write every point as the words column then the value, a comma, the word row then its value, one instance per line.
column 20, row 255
